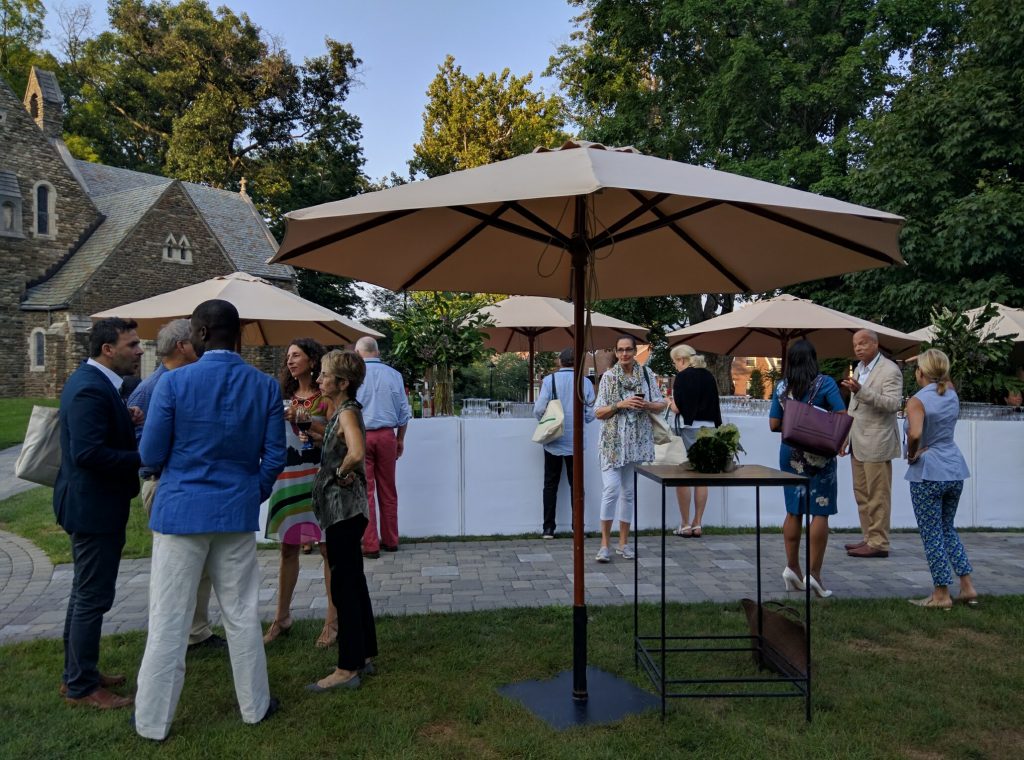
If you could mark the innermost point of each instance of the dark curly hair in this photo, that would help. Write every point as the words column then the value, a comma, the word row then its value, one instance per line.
column 314, row 352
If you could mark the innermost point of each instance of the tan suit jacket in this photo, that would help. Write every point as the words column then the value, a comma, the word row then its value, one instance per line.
column 874, row 436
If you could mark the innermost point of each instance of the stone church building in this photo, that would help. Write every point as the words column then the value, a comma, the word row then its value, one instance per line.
column 77, row 238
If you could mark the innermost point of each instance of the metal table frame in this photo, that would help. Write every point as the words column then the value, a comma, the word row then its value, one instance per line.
column 673, row 476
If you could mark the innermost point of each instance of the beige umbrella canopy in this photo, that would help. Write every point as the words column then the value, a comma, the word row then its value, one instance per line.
column 1008, row 321
column 588, row 222
column 765, row 328
column 536, row 323
column 270, row 316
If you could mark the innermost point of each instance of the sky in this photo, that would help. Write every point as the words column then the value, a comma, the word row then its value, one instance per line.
column 401, row 44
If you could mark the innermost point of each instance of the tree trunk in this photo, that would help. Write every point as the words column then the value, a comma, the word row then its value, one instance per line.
column 720, row 366
column 442, row 380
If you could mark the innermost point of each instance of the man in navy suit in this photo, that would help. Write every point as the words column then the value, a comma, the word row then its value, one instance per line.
column 215, row 428
column 97, row 479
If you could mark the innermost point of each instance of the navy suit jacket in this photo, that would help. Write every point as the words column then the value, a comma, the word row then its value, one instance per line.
column 99, row 466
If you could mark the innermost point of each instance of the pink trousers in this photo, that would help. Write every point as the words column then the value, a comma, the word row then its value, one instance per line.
column 381, row 455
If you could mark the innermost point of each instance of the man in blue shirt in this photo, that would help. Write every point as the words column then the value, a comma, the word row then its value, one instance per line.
column 216, row 431
column 558, row 453
column 386, row 414
column 174, row 349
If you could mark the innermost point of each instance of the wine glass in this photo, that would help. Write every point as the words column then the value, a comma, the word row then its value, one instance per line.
column 304, row 422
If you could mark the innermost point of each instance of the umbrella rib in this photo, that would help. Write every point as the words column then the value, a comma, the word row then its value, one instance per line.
column 663, row 220
column 553, row 231
column 333, row 331
column 486, row 221
column 807, row 229
column 670, row 222
column 604, row 238
column 735, row 345
column 335, row 237
column 515, row 229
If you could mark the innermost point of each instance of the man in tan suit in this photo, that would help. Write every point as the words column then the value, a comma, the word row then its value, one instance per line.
column 876, row 392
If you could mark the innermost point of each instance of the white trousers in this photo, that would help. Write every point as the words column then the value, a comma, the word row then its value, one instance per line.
column 177, row 564
column 617, row 494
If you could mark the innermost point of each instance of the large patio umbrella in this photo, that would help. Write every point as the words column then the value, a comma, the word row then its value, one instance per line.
column 765, row 328
column 271, row 316
column 1008, row 321
column 586, row 222
column 536, row 323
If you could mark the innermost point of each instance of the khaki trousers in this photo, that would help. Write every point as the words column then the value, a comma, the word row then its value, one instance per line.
column 200, row 630
column 872, row 488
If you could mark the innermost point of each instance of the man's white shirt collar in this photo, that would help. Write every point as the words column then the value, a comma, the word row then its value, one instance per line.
column 115, row 379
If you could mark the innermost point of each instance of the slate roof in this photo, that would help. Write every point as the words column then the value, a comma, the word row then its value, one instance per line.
column 233, row 219
column 123, row 211
column 48, row 84
column 9, row 184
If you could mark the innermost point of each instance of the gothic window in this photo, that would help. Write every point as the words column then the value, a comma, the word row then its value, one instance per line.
column 178, row 251
column 44, row 217
column 37, row 349
column 10, row 205
column 7, row 217
column 33, row 105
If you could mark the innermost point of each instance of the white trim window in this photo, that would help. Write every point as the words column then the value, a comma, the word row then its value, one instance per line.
column 37, row 349
column 177, row 251
column 44, row 213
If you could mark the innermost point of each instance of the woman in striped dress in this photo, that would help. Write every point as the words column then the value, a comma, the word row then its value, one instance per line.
column 290, row 518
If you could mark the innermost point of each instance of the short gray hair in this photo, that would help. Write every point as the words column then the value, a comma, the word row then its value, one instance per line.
column 368, row 345
column 169, row 335
column 689, row 355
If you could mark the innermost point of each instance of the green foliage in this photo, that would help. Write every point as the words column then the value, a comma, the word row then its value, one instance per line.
column 21, row 34
column 335, row 293
column 207, row 96
column 709, row 454
column 945, row 152
column 475, row 121
column 979, row 360
column 436, row 329
column 755, row 385
column 14, row 414
column 728, row 433
column 502, row 377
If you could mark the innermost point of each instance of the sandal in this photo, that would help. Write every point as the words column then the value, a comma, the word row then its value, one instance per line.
column 695, row 531
column 278, row 628
column 969, row 601
column 683, row 530
column 328, row 636
column 930, row 602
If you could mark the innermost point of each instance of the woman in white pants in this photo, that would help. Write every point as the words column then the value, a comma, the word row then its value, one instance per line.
column 627, row 393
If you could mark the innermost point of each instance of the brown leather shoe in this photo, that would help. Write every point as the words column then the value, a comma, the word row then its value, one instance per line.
column 101, row 699
column 105, row 681
column 866, row 551
column 855, row 546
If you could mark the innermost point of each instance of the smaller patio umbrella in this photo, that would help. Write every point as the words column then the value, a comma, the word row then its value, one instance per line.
column 765, row 328
column 1008, row 321
column 538, row 323
column 270, row 315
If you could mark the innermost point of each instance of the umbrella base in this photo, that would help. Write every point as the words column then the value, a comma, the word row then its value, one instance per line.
column 610, row 699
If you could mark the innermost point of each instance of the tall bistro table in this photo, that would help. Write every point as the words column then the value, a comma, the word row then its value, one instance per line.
column 651, row 650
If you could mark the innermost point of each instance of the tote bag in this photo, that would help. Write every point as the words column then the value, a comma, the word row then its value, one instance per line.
column 552, row 424
column 39, row 460
column 812, row 429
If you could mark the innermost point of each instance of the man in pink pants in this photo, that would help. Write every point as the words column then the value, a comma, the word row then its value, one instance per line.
column 386, row 415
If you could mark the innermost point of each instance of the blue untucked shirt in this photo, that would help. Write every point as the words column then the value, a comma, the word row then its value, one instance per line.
column 382, row 395
column 216, row 430
column 565, row 388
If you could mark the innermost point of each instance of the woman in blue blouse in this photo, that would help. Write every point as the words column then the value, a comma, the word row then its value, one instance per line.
column 802, row 381
column 936, row 473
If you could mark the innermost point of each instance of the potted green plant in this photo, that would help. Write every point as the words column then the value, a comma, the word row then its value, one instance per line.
column 716, row 449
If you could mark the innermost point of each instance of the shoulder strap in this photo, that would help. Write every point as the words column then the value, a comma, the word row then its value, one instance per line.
column 554, row 387
column 647, row 379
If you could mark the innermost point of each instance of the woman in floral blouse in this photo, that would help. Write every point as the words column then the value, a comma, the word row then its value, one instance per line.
column 627, row 393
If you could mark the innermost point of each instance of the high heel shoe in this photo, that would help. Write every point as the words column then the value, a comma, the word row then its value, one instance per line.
column 276, row 629
column 816, row 587
column 792, row 580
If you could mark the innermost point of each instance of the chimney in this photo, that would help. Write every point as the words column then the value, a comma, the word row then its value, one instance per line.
column 45, row 103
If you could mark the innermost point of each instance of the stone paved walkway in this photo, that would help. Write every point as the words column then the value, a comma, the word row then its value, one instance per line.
column 480, row 575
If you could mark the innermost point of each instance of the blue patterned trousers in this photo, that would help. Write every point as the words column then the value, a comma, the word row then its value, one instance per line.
column 935, row 503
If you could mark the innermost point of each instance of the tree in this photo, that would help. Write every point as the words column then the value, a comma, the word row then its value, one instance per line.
column 475, row 121
column 946, row 154
column 979, row 361
column 21, row 34
column 769, row 90
column 755, row 385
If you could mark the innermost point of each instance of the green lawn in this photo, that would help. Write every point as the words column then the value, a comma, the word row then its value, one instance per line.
column 14, row 414
column 892, row 681
column 30, row 515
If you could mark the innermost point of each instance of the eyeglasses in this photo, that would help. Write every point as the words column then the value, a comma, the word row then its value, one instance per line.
column 624, row 350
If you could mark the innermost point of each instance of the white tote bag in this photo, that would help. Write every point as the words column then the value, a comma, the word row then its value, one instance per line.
column 673, row 452
column 552, row 424
column 39, row 460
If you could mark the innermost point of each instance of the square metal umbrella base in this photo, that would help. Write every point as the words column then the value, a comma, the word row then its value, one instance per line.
column 610, row 699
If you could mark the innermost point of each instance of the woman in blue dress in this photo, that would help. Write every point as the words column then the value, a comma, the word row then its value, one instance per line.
column 802, row 381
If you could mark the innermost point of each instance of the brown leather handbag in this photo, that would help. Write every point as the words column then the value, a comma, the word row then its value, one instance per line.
column 784, row 637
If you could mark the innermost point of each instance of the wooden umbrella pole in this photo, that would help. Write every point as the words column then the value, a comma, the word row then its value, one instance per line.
column 531, row 337
column 579, row 609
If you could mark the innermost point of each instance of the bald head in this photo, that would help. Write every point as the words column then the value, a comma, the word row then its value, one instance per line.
column 367, row 348
column 865, row 345
column 215, row 325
